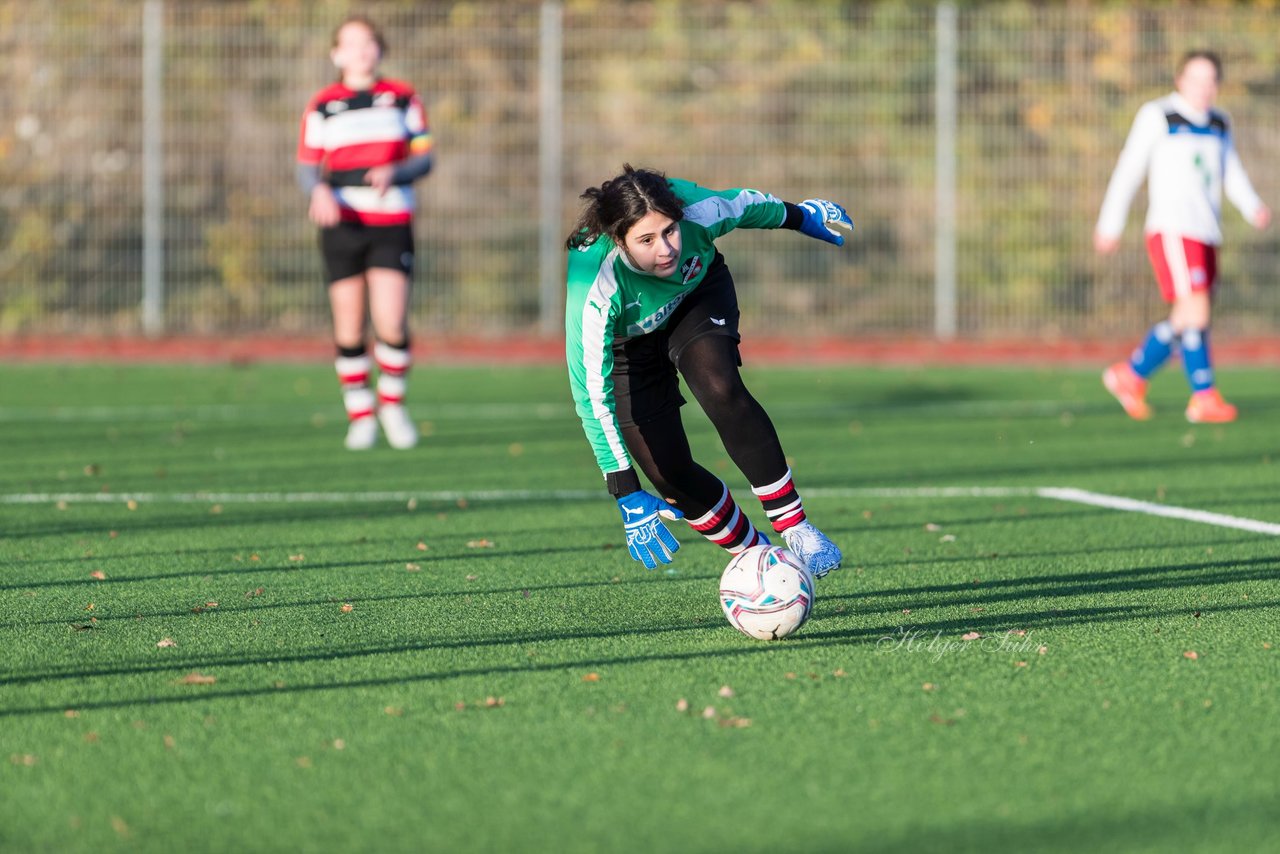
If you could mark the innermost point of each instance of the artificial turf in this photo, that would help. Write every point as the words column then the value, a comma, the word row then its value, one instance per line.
column 469, row 661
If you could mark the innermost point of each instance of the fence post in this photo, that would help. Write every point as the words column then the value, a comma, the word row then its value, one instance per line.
column 550, row 166
column 944, row 282
column 152, row 167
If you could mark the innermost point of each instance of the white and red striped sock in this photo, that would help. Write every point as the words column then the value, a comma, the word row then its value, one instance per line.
column 727, row 526
column 353, row 375
column 393, row 370
column 781, row 502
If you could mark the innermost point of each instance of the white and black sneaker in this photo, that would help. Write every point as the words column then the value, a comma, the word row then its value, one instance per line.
column 813, row 547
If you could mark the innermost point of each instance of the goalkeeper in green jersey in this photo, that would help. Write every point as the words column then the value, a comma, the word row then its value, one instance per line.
column 649, row 297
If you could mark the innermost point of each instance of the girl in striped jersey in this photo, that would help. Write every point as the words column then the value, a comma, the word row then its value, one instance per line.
column 1183, row 148
column 649, row 297
column 364, row 142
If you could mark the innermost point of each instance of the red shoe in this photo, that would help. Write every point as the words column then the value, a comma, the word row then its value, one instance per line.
column 1208, row 407
column 1130, row 389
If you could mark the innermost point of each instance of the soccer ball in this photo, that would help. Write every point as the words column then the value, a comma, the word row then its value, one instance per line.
column 766, row 592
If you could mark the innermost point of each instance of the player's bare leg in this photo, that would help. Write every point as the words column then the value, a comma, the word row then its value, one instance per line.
column 389, row 309
column 346, row 302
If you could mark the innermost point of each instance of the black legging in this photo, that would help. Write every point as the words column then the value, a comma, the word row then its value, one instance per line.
column 660, row 448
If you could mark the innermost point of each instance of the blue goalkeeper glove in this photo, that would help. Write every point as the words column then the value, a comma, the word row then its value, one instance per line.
column 819, row 216
column 648, row 539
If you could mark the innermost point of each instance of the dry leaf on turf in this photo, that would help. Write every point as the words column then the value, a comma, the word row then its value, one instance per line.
column 346, row 607
column 968, row 636
column 413, row 567
column 1191, row 654
column 709, row 712
column 298, row 558
column 422, row 547
column 930, row 526
column 682, row 705
column 166, row 642
column 195, row 678
column 726, row 691
column 494, row 702
column 591, row 677
column 480, row 544
column 98, row 574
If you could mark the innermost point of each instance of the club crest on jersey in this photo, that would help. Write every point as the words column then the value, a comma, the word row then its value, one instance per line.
column 690, row 269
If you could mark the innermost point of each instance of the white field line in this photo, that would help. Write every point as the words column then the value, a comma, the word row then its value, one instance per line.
column 477, row 495
column 1055, row 493
column 1116, row 502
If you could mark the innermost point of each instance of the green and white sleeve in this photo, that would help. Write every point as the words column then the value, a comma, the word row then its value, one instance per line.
column 721, row 211
column 590, row 312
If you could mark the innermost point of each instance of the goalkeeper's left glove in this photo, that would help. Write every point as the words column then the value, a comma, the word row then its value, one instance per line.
column 819, row 216
column 648, row 540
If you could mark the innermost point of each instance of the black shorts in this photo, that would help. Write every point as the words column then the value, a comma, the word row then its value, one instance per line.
column 645, row 384
column 351, row 248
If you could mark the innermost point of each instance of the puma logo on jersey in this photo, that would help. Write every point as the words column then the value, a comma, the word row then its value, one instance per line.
column 718, row 321
column 631, row 305
column 597, row 306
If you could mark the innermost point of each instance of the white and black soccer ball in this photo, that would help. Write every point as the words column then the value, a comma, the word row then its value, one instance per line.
column 766, row 592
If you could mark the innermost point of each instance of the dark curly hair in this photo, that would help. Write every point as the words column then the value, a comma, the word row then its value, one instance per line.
column 619, row 203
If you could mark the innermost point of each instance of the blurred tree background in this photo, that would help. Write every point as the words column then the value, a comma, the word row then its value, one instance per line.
column 794, row 98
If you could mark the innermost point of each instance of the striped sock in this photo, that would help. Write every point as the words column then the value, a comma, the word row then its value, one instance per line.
column 781, row 502
column 727, row 526
column 353, row 375
column 393, row 367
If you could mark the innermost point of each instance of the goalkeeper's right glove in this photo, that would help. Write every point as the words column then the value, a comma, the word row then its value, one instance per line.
column 648, row 540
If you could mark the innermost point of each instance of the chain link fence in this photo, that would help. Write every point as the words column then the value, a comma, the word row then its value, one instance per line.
column 795, row 98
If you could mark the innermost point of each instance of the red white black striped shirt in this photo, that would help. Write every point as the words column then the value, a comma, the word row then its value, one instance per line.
column 347, row 132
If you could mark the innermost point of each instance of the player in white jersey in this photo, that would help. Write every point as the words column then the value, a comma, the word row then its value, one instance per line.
column 1183, row 148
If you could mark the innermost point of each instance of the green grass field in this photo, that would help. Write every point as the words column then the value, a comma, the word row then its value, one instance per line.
column 219, row 631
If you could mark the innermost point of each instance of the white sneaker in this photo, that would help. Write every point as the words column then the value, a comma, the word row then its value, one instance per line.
column 362, row 434
column 813, row 547
column 398, row 426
